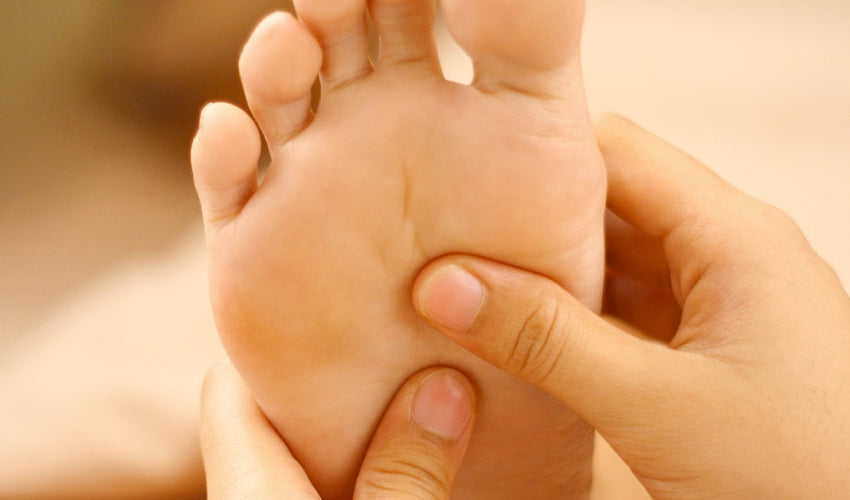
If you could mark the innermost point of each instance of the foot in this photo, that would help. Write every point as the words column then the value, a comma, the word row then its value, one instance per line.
column 311, row 270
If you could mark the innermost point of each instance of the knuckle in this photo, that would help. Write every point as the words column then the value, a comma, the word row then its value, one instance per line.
column 535, row 353
column 763, row 218
column 407, row 474
column 788, row 225
column 766, row 233
column 772, row 218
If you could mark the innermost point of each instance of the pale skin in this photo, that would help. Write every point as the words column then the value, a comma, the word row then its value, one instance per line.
column 416, row 451
column 747, row 398
column 311, row 270
column 737, row 386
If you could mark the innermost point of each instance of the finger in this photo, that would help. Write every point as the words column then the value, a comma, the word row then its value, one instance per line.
column 419, row 446
column 650, row 309
column 528, row 326
column 667, row 194
column 634, row 254
column 244, row 457
column 653, row 185
column 637, row 283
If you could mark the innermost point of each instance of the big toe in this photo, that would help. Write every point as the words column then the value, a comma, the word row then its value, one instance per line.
column 529, row 46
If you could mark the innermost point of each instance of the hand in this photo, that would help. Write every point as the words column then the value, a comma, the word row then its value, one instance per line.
column 415, row 452
column 741, row 387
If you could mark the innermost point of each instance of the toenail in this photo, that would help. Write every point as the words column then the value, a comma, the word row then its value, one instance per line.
column 451, row 297
column 443, row 405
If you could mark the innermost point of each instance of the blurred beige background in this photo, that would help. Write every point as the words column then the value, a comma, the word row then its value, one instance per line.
column 758, row 90
column 104, row 326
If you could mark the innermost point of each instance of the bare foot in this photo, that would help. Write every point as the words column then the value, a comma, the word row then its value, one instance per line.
column 311, row 270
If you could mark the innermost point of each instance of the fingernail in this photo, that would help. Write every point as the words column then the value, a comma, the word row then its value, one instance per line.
column 451, row 297
column 443, row 405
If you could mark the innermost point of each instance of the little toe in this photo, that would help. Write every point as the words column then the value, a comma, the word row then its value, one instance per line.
column 405, row 29
column 340, row 27
column 528, row 46
column 224, row 162
column 278, row 66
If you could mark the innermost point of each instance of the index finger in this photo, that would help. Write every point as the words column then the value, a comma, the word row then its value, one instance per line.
column 667, row 194
column 653, row 185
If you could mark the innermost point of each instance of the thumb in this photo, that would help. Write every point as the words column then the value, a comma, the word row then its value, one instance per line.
column 529, row 327
column 420, row 444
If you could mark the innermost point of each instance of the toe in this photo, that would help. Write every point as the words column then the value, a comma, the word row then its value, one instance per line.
column 278, row 66
column 529, row 46
column 340, row 28
column 405, row 29
column 224, row 162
